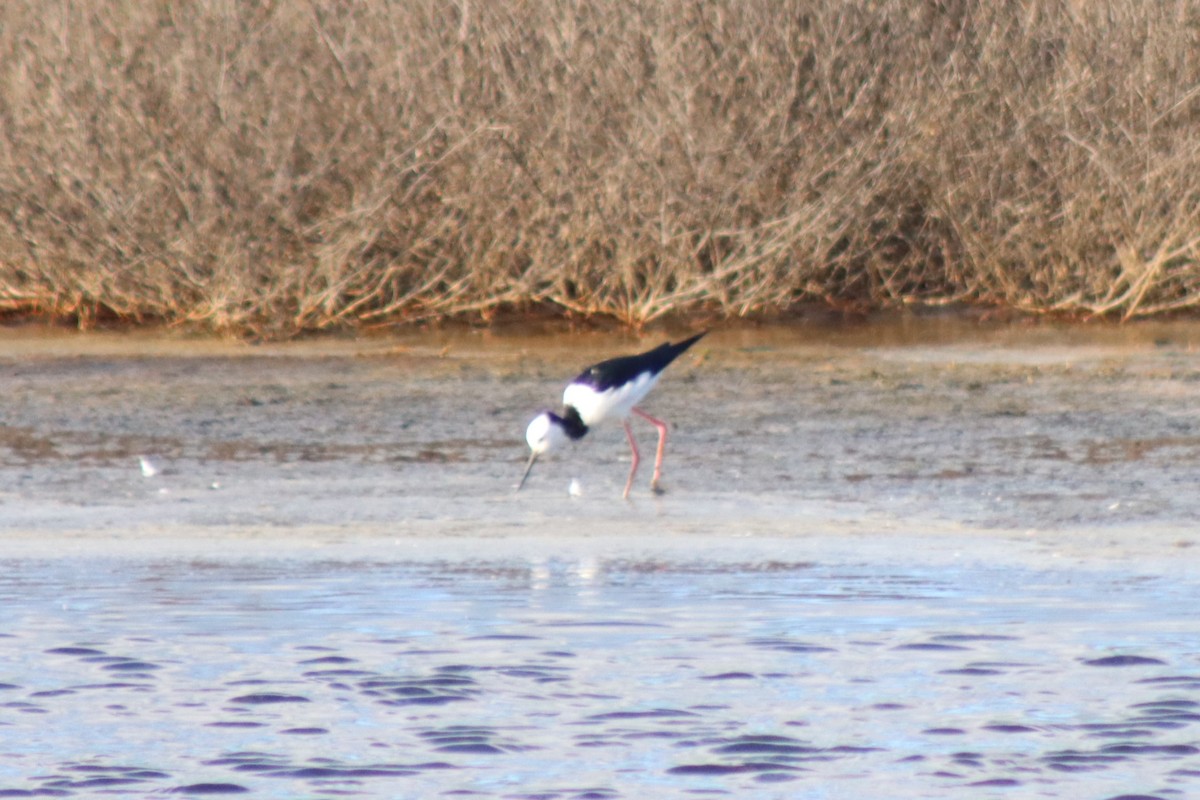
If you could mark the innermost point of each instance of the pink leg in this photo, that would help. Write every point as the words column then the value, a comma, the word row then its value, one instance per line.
column 662, row 445
column 636, row 458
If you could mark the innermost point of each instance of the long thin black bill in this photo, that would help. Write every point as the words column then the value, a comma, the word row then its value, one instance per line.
column 528, row 469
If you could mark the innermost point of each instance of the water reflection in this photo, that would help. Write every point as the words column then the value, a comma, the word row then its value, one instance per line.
column 593, row 678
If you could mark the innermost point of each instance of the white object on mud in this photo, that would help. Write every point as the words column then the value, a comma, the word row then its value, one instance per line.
column 150, row 466
column 575, row 489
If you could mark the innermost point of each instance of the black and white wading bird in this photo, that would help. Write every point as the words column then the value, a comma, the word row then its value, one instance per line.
column 606, row 390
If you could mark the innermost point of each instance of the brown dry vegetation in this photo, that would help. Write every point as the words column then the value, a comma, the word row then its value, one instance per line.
column 289, row 166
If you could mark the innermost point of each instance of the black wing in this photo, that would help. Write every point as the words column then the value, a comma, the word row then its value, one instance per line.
column 618, row 371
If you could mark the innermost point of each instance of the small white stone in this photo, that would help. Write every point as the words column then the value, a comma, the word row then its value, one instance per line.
column 149, row 466
column 575, row 489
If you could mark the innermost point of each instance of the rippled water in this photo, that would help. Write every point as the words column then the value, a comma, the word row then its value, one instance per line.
column 595, row 677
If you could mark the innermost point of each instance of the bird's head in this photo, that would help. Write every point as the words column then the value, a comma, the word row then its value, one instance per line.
column 545, row 432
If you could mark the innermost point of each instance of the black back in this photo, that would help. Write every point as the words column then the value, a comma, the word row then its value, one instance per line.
column 617, row 371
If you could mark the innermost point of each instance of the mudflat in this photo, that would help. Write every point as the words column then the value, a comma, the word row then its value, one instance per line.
column 909, row 426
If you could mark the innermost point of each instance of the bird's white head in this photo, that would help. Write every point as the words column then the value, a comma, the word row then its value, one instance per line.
column 545, row 432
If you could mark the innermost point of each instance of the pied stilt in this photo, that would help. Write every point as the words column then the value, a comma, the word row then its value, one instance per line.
column 606, row 390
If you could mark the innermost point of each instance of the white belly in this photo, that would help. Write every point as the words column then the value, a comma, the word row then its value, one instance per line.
column 593, row 406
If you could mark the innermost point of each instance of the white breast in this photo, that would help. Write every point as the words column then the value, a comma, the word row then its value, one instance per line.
column 618, row 401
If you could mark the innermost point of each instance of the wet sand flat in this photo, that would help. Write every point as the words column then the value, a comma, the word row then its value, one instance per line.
column 944, row 559
column 988, row 428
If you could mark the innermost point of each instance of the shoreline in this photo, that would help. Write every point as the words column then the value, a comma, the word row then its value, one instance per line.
column 938, row 428
column 1140, row 549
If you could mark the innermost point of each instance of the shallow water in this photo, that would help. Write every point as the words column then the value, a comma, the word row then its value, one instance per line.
column 596, row 673
column 922, row 561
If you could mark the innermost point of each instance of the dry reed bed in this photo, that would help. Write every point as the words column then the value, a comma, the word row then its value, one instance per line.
column 293, row 166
